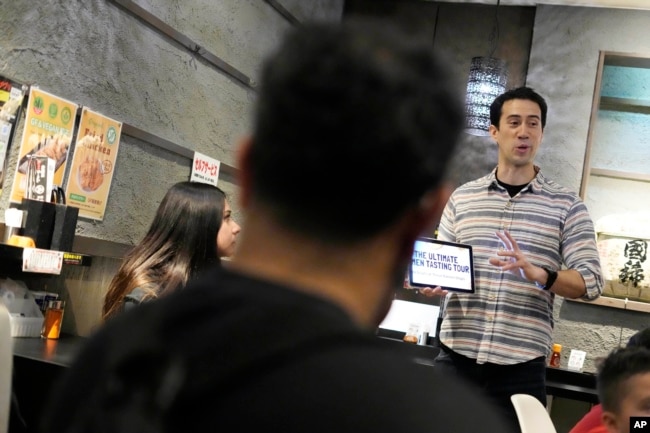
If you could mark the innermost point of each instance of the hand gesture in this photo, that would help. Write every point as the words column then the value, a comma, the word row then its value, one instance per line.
column 511, row 258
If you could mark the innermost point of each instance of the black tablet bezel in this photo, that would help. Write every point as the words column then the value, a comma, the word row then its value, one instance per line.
column 452, row 244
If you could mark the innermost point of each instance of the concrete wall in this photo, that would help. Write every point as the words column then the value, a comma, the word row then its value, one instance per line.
column 563, row 66
column 98, row 54
column 126, row 70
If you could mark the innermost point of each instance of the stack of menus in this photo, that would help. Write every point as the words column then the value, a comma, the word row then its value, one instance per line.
column 12, row 94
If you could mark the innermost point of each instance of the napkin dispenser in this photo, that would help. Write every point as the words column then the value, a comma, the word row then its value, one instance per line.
column 51, row 225
column 65, row 225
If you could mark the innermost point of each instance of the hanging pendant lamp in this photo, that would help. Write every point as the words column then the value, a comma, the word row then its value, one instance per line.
column 488, row 77
column 487, row 80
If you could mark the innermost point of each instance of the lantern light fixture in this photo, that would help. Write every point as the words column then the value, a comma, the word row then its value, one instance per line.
column 488, row 78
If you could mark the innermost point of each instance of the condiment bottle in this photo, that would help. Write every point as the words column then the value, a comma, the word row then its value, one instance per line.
column 423, row 339
column 53, row 319
column 412, row 334
column 556, row 356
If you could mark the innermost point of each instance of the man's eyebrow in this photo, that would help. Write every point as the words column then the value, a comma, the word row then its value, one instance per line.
column 519, row 116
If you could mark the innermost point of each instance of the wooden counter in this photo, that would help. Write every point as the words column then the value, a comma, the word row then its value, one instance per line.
column 59, row 352
column 39, row 363
column 560, row 382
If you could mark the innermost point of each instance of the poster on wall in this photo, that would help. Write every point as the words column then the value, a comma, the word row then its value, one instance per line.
column 93, row 159
column 49, row 123
column 11, row 99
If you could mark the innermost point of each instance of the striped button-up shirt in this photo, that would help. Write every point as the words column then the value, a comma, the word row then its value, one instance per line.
column 509, row 320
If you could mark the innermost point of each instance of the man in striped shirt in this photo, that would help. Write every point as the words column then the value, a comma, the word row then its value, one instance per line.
column 523, row 228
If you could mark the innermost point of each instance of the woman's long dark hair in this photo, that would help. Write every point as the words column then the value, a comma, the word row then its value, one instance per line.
column 181, row 241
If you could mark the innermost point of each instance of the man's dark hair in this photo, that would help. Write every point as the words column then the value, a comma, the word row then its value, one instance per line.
column 354, row 123
column 519, row 93
column 640, row 339
column 619, row 366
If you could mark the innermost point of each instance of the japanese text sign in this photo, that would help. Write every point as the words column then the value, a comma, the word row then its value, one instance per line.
column 205, row 169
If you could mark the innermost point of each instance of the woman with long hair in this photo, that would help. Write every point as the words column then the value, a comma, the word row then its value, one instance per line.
column 193, row 227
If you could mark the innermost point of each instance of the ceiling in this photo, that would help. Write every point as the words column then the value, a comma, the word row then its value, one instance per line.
column 625, row 4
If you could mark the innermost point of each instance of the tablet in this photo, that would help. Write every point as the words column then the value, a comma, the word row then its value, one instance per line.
column 445, row 264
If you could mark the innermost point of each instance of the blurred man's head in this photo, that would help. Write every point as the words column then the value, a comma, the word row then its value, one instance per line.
column 640, row 339
column 355, row 122
column 354, row 125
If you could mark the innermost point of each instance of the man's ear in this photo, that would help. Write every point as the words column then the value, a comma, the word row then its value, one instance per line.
column 433, row 203
column 494, row 132
column 244, row 174
column 427, row 212
column 609, row 421
column 422, row 216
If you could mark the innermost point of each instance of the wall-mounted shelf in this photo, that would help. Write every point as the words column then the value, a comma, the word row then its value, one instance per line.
column 623, row 304
column 624, row 104
column 613, row 234
column 11, row 258
column 615, row 174
column 185, row 41
column 627, row 60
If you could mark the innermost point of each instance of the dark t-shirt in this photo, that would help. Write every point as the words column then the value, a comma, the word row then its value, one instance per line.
column 231, row 353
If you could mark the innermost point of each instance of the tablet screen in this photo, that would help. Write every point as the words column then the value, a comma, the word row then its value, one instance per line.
column 445, row 264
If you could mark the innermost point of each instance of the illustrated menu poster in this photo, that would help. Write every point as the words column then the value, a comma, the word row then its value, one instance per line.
column 11, row 99
column 49, row 123
column 93, row 159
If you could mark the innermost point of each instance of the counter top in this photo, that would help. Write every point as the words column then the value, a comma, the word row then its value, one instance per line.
column 59, row 352
column 421, row 353
column 62, row 351
column 575, row 385
column 559, row 382
column 37, row 366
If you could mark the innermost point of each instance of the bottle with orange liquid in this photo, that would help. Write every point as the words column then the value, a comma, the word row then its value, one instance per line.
column 556, row 356
column 411, row 335
column 53, row 320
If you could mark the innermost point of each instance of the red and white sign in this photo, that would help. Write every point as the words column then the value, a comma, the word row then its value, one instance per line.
column 42, row 261
column 205, row 169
